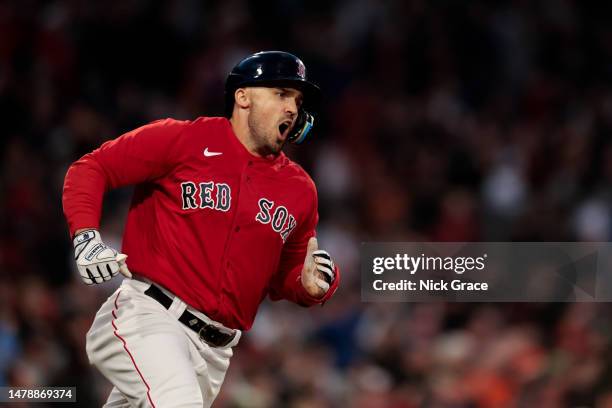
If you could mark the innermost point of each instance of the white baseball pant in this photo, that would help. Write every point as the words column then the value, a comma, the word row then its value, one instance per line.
column 151, row 358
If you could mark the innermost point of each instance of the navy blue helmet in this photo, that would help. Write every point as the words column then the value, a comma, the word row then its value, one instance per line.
column 275, row 69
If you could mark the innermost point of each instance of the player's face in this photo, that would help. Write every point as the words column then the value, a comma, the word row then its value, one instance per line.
column 272, row 114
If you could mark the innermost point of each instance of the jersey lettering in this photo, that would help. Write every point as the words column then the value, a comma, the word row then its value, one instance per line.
column 224, row 197
column 263, row 215
column 207, row 194
column 276, row 220
column 289, row 228
column 280, row 216
column 188, row 190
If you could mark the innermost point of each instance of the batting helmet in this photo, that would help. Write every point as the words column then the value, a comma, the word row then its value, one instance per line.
column 275, row 69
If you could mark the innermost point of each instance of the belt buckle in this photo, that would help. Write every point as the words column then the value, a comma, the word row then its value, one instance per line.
column 215, row 336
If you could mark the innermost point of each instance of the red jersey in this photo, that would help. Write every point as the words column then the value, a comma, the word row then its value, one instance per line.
column 217, row 226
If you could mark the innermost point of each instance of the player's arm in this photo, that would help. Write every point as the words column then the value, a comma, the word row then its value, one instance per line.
column 140, row 155
column 307, row 275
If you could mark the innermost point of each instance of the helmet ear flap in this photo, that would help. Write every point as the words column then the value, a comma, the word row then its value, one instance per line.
column 302, row 127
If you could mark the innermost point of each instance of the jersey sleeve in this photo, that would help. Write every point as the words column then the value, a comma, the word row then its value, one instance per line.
column 143, row 154
column 287, row 283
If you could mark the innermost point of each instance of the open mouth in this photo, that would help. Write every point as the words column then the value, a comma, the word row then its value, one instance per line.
column 283, row 128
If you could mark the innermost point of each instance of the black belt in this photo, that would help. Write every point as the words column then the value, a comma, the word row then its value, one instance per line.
column 212, row 335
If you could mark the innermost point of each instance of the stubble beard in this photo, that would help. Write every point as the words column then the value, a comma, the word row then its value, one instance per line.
column 264, row 145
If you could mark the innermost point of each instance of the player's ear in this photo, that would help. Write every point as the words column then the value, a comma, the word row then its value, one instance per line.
column 242, row 98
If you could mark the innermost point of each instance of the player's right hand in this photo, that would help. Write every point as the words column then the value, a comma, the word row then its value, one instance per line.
column 318, row 272
column 95, row 261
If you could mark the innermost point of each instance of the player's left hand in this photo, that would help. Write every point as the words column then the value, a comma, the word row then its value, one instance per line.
column 319, row 271
column 96, row 261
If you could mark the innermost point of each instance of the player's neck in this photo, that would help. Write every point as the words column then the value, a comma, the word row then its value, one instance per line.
column 241, row 130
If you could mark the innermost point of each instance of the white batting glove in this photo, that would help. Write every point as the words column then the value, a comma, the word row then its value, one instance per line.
column 319, row 271
column 326, row 266
column 95, row 261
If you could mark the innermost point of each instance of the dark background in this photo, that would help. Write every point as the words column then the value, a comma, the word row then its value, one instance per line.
column 441, row 121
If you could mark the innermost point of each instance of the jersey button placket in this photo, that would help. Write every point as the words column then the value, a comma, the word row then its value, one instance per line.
column 247, row 178
column 235, row 229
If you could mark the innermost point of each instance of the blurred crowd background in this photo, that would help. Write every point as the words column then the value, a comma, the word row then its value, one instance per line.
column 442, row 121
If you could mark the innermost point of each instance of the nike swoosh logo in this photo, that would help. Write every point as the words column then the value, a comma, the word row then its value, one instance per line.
column 210, row 154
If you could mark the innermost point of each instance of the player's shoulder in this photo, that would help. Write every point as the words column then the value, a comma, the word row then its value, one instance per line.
column 208, row 126
column 297, row 175
column 168, row 123
column 187, row 131
column 201, row 121
column 211, row 122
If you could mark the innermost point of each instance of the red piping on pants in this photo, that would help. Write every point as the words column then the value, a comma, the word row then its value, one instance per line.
column 128, row 351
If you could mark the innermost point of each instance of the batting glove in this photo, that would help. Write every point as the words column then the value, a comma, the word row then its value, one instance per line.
column 326, row 266
column 95, row 261
column 319, row 271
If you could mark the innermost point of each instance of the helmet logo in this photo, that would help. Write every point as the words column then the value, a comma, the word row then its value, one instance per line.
column 301, row 69
column 259, row 71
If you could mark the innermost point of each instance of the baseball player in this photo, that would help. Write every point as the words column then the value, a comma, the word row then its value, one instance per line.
column 220, row 219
